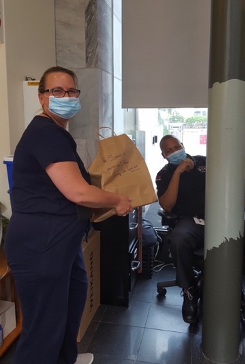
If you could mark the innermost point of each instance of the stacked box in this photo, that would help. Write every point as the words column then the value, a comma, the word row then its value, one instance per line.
column 7, row 317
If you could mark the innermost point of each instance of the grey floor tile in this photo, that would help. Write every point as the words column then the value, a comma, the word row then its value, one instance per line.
column 165, row 347
column 135, row 315
column 145, row 290
column 166, row 317
column 99, row 313
column 87, row 337
column 106, row 359
column 118, row 341
column 166, row 273
column 172, row 297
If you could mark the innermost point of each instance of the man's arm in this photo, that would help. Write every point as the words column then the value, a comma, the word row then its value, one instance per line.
column 168, row 200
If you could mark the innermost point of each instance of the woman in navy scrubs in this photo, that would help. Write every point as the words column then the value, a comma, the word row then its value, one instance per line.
column 43, row 242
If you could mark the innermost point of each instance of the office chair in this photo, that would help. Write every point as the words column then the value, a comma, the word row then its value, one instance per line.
column 169, row 219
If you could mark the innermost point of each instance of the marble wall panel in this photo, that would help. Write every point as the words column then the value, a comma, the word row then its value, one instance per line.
column 118, row 111
column 84, row 123
column 82, row 150
column 86, row 3
column 87, row 150
column 106, row 100
column 84, row 42
column 109, row 2
column 105, row 37
column 91, row 33
column 117, row 47
column 92, row 150
column 70, row 33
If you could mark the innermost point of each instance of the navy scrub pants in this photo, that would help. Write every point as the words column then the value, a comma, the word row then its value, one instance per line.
column 45, row 257
column 186, row 237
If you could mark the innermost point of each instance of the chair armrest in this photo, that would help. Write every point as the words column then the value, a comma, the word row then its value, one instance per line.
column 168, row 215
column 168, row 218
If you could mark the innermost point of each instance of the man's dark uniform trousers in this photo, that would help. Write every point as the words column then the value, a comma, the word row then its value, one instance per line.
column 187, row 235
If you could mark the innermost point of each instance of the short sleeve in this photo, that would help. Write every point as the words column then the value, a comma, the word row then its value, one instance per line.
column 162, row 182
column 52, row 144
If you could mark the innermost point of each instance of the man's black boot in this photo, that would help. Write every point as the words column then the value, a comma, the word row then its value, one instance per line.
column 190, row 304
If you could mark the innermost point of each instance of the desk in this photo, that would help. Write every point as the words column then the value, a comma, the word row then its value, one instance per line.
column 6, row 280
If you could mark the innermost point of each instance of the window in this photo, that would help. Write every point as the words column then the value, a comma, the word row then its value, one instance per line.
column 187, row 124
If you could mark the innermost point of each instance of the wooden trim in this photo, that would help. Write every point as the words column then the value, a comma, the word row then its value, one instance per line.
column 4, row 274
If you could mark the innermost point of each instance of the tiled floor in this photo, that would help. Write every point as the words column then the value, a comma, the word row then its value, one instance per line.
column 151, row 330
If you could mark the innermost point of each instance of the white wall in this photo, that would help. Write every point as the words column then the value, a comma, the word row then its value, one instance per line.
column 147, row 120
column 4, row 131
column 28, row 49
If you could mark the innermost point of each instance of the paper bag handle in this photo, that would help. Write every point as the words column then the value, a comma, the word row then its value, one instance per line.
column 104, row 127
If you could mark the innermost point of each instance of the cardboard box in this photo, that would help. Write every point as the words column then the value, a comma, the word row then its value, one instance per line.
column 91, row 254
column 7, row 317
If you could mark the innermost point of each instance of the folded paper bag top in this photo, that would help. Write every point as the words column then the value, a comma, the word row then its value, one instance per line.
column 119, row 167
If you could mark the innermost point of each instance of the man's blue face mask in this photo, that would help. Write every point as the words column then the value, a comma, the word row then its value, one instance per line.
column 65, row 107
column 176, row 157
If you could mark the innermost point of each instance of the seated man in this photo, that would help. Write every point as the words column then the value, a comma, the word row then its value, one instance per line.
column 181, row 190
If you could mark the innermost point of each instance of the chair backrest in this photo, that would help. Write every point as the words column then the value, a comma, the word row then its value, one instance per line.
column 168, row 218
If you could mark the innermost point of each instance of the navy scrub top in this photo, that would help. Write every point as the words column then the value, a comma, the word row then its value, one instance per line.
column 42, row 143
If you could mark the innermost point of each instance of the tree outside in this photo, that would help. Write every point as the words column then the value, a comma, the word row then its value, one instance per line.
column 198, row 120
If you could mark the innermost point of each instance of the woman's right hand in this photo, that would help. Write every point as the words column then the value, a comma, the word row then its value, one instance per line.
column 123, row 207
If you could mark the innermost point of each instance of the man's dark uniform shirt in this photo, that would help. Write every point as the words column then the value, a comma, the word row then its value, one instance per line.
column 191, row 194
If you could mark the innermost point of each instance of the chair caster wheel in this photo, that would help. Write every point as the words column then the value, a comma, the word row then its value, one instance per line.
column 161, row 291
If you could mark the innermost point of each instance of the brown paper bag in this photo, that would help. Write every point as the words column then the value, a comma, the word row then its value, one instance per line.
column 119, row 167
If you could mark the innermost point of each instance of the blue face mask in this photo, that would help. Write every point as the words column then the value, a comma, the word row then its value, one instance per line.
column 177, row 157
column 64, row 107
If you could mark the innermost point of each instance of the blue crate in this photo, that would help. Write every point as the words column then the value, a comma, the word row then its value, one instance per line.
column 8, row 161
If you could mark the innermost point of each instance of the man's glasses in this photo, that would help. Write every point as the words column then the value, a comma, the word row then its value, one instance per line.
column 60, row 92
